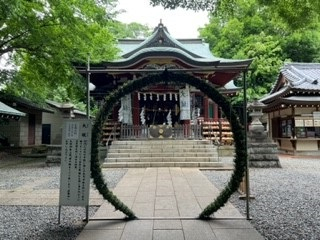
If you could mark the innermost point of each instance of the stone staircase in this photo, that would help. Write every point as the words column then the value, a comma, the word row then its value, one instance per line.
column 162, row 153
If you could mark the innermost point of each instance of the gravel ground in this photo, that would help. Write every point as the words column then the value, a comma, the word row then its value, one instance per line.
column 40, row 222
column 287, row 199
column 286, row 204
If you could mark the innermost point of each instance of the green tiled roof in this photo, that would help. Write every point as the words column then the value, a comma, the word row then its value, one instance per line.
column 22, row 103
column 167, row 51
column 161, row 41
column 9, row 111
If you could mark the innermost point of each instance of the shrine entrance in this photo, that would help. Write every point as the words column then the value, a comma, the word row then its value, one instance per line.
column 212, row 93
column 160, row 109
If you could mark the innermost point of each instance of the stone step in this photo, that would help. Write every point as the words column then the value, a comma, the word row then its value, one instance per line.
column 162, row 164
column 156, row 152
column 154, row 145
column 210, row 150
column 162, row 154
column 162, row 142
column 163, row 159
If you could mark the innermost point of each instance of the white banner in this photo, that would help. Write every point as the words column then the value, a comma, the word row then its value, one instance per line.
column 184, row 95
column 75, row 163
column 126, row 109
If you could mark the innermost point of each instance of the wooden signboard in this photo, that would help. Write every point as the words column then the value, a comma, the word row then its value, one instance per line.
column 308, row 122
column 316, row 122
column 298, row 123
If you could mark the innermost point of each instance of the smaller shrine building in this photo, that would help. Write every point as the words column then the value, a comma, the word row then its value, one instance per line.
column 293, row 109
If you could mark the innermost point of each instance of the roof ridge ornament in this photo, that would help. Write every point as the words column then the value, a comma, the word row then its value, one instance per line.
column 160, row 26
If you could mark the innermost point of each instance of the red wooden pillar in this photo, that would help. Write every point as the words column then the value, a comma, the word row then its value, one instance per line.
column 215, row 112
column 135, row 110
column 115, row 113
column 186, row 128
column 206, row 108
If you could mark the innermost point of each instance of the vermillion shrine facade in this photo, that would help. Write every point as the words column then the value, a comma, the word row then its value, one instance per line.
column 162, row 110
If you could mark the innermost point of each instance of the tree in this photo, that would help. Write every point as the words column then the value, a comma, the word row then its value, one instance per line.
column 249, row 33
column 44, row 38
column 46, row 28
column 132, row 30
column 296, row 13
column 302, row 46
column 209, row 5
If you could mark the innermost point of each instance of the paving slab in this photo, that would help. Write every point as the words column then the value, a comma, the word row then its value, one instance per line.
column 168, row 234
column 167, row 202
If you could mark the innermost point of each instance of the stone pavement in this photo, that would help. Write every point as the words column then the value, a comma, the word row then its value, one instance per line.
column 167, row 202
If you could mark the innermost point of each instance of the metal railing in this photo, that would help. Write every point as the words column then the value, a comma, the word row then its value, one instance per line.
column 184, row 131
column 134, row 131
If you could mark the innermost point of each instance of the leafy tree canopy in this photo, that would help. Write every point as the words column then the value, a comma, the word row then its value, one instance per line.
column 49, row 28
column 254, row 31
column 132, row 30
column 44, row 38
column 296, row 13
column 190, row 4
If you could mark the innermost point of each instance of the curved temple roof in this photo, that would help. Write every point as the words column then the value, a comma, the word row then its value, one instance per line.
column 194, row 52
column 298, row 83
column 161, row 51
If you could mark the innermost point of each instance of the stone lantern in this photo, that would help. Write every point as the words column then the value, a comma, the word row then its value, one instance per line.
column 262, row 152
column 256, row 129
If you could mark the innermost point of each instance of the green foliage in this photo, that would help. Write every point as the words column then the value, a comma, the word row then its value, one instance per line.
column 230, row 38
column 190, row 4
column 255, row 32
column 48, row 28
column 45, row 38
column 295, row 13
column 132, row 30
column 302, row 46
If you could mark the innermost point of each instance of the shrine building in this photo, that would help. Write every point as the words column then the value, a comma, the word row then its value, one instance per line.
column 293, row 109
column 161, row 104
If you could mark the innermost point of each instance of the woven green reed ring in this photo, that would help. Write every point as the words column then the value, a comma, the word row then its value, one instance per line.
column 168, row 77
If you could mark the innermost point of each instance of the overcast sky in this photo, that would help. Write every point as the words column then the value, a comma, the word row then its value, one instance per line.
column 180, row 23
